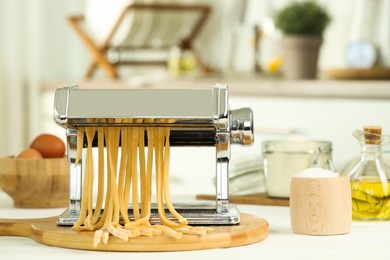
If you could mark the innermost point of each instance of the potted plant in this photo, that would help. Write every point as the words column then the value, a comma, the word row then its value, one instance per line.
column 302, row 24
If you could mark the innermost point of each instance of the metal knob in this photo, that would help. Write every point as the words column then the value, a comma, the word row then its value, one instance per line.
column 241, row 122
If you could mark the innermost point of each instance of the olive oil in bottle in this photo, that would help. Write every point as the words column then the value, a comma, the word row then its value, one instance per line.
column 370, row 177
column 370, row 199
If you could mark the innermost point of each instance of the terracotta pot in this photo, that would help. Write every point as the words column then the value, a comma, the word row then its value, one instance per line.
column 300, row 56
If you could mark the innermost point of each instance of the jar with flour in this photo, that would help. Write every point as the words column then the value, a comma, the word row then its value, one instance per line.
column 283, row 159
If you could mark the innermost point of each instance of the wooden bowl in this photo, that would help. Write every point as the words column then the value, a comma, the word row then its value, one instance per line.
column 36, row 183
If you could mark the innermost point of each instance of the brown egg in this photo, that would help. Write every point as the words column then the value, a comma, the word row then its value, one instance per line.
column 30, row 153
column 50, row 146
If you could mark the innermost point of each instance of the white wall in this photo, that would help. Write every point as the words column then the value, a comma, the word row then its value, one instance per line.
column 36, row 47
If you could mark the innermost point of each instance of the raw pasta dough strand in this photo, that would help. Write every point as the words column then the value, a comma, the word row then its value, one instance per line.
column 145, row 209
column 147, row 179
column 159, row 148
column 149, row 170
column 146, row 199
column 115, row 135
column 160, row 202
column 109, row 215
column 142, row 168
column 106, row 217
column 134, row 175
column 122, row 175
column 80, row 144
column 126, row 193
column 165, row 180
column 90, row 132
column 100, row 188
column 84, row 198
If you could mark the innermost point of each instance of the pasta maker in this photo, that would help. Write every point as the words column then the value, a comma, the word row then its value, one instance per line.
column 197, row 117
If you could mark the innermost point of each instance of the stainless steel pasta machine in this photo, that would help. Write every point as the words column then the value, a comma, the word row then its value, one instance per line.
column 197, row 117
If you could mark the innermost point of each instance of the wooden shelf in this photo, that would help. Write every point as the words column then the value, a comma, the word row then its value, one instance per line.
column 255, row 86
column 364, row 74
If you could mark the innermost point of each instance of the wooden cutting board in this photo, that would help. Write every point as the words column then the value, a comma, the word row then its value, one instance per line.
column 251, row 230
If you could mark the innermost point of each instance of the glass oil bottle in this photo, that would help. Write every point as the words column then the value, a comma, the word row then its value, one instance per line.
column 370, row 177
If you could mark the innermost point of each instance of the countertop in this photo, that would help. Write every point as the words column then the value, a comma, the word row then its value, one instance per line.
column 367, row 240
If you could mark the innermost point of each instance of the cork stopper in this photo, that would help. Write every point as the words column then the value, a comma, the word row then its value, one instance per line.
column 372, row 134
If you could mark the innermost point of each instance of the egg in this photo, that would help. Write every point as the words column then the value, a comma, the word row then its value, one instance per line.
column 30, row 153
column 50, row 146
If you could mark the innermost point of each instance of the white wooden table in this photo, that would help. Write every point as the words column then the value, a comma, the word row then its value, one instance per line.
column 367, row 240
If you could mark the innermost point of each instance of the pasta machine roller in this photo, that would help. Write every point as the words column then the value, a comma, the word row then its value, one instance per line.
column 197, row 117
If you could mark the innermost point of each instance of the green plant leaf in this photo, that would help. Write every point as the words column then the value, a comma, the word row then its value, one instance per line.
column 302, row 18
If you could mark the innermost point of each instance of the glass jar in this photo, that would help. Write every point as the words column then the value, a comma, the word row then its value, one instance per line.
column 370, row 177
column 283, row 159
column 182, row 60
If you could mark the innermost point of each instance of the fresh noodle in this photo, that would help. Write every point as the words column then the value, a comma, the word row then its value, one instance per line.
column 128, row 179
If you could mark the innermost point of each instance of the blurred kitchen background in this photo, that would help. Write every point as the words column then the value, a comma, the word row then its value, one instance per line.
column 238, row 45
